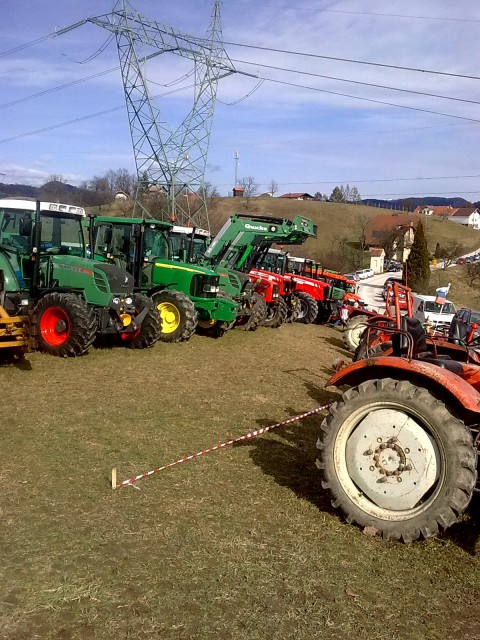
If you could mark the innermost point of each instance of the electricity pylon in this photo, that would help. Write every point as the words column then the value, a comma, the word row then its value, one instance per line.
column 170, row 161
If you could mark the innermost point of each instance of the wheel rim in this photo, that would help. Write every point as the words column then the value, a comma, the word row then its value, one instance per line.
column 302, row 309
column 356, row 333
column 206, row 324
column 55, row 326
column 388, row 462
column 170, row 317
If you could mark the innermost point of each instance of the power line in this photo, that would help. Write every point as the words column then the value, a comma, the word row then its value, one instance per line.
column 390, row 104
column 365, row 84
column 366, row 13
column 353, row 61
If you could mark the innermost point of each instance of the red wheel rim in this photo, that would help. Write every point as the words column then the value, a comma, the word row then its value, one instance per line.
column 55, row 326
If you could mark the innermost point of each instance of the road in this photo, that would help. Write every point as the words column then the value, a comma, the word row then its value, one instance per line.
column 371, row 290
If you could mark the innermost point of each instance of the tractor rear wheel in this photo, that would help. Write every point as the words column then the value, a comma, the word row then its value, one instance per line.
column 148, row 334
column 393, row 457
column 63, row 325
column 276, row 314
column 353, row 332
column 178, row 315
column 308, row 308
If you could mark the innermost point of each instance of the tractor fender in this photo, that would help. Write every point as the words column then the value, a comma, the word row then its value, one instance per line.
column 448, row 385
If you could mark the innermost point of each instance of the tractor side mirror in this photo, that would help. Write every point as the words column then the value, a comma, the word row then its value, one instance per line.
column 107, row 235
column 25, row 226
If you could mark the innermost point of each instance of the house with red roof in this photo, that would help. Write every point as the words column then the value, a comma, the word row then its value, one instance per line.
column 297, row 196
column 392, row 232
column 468, row 216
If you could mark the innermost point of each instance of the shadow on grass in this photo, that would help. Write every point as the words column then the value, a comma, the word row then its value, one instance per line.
column 290, row 459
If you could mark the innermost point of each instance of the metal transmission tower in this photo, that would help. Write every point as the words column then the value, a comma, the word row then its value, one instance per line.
column 172, row 161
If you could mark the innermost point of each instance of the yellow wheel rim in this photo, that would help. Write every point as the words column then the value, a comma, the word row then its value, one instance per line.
column 170, row 316
column 206, row 324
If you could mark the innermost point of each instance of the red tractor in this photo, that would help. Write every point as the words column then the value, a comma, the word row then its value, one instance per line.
column 398, row 451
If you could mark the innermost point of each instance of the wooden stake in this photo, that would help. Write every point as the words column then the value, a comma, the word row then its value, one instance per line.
column 114, row 478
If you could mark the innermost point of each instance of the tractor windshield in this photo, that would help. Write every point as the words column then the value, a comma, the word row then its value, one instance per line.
column 156, row 244
column 61, row 234
column 181, row 242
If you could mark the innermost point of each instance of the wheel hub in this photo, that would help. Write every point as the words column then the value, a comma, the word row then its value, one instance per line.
column 392, row 459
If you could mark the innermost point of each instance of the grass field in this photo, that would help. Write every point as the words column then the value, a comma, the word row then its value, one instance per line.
column 238, row 544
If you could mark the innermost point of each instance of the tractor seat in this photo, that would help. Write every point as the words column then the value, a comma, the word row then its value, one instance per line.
column 458, row 332
column 420, row 348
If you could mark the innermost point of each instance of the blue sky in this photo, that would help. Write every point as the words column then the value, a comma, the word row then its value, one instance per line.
column 302, row 137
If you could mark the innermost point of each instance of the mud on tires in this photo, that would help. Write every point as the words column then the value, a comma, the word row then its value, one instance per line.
column 428, row 448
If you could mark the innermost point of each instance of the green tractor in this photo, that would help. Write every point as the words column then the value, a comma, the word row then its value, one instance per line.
column 71, row 300
column 187, row 295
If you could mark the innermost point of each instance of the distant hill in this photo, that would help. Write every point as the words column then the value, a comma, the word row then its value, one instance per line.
column 27, row 191
column 413, row 203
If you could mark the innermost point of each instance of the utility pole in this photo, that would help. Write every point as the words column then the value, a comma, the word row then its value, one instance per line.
column 236, row 157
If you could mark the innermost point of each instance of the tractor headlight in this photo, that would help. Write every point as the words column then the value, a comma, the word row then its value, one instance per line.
column 116, row 301
column 128, row 301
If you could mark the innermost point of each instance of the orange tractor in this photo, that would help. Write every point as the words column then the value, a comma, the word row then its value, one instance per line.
column 398, row 452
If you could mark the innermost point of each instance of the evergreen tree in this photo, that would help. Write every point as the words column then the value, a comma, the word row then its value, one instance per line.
column 417, row 265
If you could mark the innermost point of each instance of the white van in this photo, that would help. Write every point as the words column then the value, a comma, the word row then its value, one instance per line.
column 427, row 310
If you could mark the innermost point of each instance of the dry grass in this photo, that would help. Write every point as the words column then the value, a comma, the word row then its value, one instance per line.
column 239, row 544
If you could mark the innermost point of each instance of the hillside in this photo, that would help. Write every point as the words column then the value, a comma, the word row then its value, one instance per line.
column 339, row 225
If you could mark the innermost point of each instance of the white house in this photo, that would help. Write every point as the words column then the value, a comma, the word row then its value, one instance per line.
column 468, row 216
column 377, row 257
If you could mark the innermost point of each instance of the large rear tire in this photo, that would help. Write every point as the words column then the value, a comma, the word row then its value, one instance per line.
column 276, row 314
column 63, row 325
column 353, row 332
column 393, row 457
column 178, row 315
column 308, row 308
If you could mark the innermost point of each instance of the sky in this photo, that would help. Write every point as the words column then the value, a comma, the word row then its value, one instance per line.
column 295, row 113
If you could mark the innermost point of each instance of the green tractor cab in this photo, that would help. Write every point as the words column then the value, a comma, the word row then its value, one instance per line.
column 72, row 299
column 187, row 295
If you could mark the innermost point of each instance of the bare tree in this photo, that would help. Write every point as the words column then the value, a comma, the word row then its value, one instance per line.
column 250, row 189
column 450, row 252
column 272, row 187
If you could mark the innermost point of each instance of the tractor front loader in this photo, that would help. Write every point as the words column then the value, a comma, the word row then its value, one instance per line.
column 71, row 300
column 242, row 244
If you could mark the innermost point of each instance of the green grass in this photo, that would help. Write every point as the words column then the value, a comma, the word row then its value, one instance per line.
column 237, row 544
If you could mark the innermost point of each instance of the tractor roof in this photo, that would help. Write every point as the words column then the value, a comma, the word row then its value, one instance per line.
column 198, row 232
column 51, row 207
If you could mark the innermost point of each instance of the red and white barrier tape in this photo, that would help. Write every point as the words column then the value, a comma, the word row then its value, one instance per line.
column 258, row 432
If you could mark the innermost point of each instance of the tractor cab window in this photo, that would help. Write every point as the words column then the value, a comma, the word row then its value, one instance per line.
column 10, row 230
column 115, row 242
column 156, row 244
column 61, row 235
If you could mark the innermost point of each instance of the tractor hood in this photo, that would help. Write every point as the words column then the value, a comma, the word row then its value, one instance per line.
column 76, row 272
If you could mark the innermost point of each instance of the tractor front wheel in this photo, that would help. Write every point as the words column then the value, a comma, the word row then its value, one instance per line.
column 276, row 314
column 148, row 334
column 393, row 457
column 259, row 312
column 213, row 328
column 353, row 331
column 178, row 315
column 308, row 308
column 63, row 325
